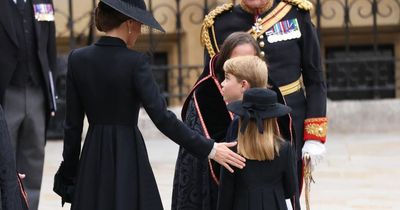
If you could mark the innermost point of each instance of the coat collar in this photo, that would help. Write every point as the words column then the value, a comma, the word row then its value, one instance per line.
column 110, row 41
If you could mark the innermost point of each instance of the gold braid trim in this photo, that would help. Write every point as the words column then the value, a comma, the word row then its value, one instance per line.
column 316, row 128
column 208, row 22
column 272, row 18
column 319, row 130
column 316, row 119
column 308, row 178
column 302, row 4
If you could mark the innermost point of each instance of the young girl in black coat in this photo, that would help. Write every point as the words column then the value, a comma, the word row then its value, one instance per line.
column 269, row 176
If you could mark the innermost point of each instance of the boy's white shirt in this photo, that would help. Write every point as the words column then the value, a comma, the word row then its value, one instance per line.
column 15, row 1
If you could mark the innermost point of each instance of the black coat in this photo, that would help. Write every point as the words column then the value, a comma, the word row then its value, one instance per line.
column 46, row 45
column 12, row 193
column 261, row 185
column 204, row 111
column 109, row 82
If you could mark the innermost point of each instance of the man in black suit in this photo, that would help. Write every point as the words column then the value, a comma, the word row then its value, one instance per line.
column 27, row 58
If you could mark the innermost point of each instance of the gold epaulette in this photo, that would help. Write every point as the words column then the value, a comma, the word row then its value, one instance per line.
column 302, row 4
column 208, row 22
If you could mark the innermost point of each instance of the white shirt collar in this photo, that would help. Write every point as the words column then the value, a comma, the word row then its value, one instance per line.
column 15, row 1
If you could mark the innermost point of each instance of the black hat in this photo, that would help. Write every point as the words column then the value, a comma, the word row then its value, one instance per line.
column 135, row 9
column 258, row 104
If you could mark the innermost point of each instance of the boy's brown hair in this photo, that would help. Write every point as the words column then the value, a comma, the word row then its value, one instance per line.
column 252, row 144
column 250, row 68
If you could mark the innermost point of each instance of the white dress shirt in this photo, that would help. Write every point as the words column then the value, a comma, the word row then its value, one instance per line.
column 15, row 1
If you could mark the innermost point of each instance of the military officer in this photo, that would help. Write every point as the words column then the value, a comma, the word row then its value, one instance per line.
column 289, row 43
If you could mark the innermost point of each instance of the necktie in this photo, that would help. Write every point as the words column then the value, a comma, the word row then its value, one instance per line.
column 21, row 5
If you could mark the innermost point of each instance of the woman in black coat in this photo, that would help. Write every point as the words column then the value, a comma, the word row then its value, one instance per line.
column 109, row 82
column 12, row 195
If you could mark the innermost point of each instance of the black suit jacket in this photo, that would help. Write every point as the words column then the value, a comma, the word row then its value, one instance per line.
column 45, row 36
column 10, row 188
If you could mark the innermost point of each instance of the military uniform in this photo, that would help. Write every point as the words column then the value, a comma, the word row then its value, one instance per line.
column 291, row 48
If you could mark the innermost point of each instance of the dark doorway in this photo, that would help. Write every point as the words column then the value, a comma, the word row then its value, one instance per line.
column 160, row 71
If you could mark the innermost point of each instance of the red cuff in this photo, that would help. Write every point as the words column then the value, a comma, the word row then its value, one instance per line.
column 315, row 129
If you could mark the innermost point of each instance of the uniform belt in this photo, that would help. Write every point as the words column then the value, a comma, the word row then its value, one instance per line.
column 290, row 88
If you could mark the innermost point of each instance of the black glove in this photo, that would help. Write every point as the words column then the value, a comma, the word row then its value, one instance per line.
column 64, row 186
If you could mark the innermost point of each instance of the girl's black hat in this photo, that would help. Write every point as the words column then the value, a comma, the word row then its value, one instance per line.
column 258, row 104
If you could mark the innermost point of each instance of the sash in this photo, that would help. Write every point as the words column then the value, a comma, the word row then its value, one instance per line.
column 271, row 19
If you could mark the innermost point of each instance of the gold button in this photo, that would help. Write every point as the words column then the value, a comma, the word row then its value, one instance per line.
column 262, row 44
column 262, row 53
column 320, row 130
column 261, row 37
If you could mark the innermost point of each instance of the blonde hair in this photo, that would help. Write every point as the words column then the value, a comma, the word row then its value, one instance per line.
column 250, row 68
column 260, row 146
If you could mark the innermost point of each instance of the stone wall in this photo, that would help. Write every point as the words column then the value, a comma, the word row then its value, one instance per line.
column 364, row 116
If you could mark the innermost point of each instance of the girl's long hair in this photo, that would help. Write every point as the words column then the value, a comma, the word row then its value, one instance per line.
column 254, row 145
